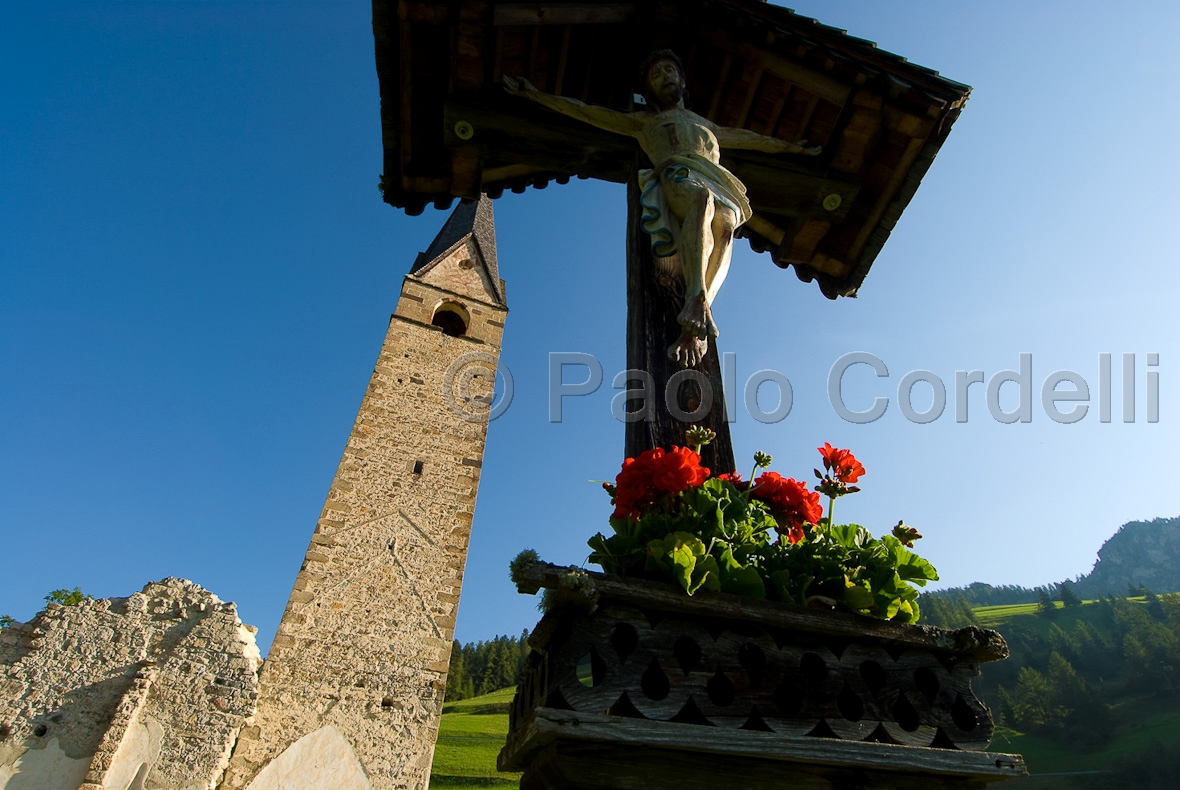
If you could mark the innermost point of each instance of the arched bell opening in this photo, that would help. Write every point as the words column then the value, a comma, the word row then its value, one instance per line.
column 452, row 318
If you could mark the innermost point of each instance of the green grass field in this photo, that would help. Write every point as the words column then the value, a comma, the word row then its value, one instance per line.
column 469, row 738
column 996, row 616
column 1044, row 756
column 992, row 616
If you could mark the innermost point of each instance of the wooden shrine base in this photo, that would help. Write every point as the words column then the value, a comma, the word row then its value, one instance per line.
column 972, row 642
column 568, row 750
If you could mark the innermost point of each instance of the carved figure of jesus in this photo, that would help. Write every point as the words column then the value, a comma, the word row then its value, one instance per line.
column 691, row 204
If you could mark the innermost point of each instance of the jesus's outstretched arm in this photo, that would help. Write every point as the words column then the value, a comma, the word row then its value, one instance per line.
column 728, row 137
column 602, row 117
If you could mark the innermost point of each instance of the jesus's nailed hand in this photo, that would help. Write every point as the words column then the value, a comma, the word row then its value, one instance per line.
column 518, row 85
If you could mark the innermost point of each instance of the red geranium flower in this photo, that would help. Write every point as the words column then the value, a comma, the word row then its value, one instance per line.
column 677, row 470
column 734, row 479
column 841, row 463
column 642, row 480
column 791, row 504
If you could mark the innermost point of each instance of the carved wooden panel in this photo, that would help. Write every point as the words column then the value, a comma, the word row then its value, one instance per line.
column 733, row 674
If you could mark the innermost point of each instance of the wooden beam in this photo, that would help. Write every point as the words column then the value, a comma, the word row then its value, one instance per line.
column 805, row 239
column 562, row 13
column 406, row 92
column 431, row 13
column 509, row 172
column 772, row 758
column 820, row 84
column 811, row 105
column 977, row 644
column 498, row 58
column 776, row 112
column 856, row 140
column 907, row 123
column 584, row 95
column 748, row 102
column 911, row 152
column 719, row 90
column 469, row 47
column 466, row 171
column 533, row 126
column 766, row 229
column 562, row 60
column 531, row 68
column 829, row 265
column 780, row 189
column 426, row 184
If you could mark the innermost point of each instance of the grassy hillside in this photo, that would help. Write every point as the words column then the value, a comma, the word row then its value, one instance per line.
column 1145, row 725
column 469, row 738
column 1144, row 710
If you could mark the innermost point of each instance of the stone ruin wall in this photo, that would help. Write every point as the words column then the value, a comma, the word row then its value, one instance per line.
column 142, row 692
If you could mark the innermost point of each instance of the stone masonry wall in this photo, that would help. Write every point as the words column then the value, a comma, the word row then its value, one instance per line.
column 363, row 647
column 153, row 686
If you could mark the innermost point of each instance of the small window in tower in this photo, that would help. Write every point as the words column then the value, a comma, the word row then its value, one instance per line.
column 418, row 467
column 452, row 318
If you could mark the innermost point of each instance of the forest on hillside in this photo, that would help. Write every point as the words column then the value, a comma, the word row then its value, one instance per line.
column 1078, row 670
column 482, row 667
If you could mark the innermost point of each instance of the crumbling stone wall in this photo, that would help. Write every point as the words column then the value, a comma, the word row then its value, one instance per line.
column 150, row 689
column 355, row 676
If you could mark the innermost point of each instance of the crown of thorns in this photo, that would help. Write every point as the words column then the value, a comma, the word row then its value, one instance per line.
column 653, row 59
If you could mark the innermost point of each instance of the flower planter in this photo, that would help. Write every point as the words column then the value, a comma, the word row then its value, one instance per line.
column 632, row 683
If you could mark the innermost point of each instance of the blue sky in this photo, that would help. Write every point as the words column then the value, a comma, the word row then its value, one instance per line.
column 196, row 272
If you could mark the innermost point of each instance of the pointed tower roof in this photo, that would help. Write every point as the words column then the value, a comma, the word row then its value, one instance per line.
column 471, row 219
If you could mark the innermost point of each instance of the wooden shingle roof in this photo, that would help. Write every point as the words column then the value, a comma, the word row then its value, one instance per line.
column 450, row 130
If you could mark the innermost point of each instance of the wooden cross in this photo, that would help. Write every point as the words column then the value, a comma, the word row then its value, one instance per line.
column 752, row 66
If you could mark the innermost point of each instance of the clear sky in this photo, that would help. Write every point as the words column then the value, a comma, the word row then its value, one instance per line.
column 196, row 272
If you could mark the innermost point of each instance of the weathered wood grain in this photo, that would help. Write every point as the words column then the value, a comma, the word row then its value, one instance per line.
column 653, row 301
column 732, row 674
column 562, row 13
column 699, row 750
column 975, row 644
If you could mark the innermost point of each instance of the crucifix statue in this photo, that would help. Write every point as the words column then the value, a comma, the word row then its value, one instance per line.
column 696, row 180
column 691, row 205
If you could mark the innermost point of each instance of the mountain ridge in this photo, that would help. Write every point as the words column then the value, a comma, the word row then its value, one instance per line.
column 1139, row 554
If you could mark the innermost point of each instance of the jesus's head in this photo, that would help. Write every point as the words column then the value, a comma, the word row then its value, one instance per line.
column 663, row 80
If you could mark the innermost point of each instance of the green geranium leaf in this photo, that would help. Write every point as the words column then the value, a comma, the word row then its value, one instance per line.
column 706, row 576
column 616, row 554
column 850, row 536
column 781, row 580
column 682, row 556
column 745, row 581
column 887, row 605
column 857, row 597
column 905, row 612
column 740, row 578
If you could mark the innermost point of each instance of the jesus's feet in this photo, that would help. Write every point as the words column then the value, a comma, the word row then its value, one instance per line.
column 697, row 318
column 688, row 350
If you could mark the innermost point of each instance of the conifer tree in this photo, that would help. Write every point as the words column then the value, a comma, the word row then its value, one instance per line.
column 1068, row 597
column 1046, row 607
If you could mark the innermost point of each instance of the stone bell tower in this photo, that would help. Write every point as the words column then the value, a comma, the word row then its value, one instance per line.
column 351, row 693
